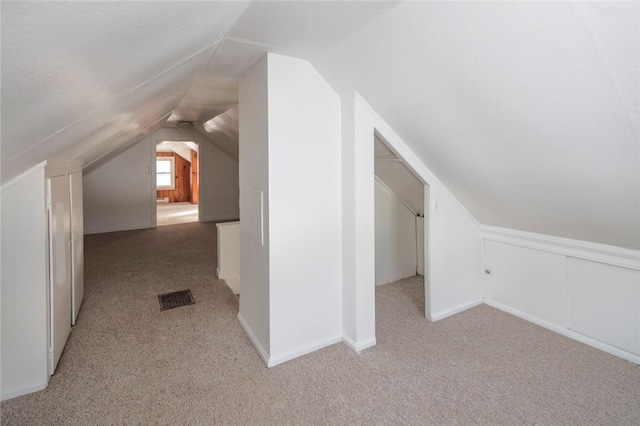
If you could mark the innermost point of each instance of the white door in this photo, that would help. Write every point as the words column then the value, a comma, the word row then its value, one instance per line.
column 59, row 266
column 77, row 245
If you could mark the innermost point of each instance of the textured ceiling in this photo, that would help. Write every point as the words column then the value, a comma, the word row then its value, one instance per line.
column 529, row 112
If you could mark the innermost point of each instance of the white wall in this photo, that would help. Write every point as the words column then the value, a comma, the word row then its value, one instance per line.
column 229, row 254
column 254, row 207
column 218, row 181
column 289, row 156
column 455, row 268
column 529, row 280
column 24, row 285
column 358, row 226
column 587, row 291
column 396, row 238
column 453, row 279
column 305, row 222
column 118, row 194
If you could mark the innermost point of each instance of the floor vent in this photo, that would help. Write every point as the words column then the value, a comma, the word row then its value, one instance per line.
column 175, row 299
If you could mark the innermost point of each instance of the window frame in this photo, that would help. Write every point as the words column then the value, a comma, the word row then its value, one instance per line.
column 171, row 173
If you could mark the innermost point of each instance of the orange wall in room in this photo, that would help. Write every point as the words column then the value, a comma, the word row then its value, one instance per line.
column 182, row 191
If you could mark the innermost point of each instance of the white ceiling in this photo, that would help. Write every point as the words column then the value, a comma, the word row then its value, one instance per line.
column 529, row 112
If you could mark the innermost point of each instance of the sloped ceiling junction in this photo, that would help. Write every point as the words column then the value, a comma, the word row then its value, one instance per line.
column 529, row 112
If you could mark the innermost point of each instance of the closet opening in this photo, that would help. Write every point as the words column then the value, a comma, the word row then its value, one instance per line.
column 400, row 227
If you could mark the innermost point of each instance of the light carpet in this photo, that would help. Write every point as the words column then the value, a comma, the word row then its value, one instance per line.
column 127, row 362
column 176, row 213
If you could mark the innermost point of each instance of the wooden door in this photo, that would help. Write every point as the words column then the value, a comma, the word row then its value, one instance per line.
column 194, row 177
column 59, row 215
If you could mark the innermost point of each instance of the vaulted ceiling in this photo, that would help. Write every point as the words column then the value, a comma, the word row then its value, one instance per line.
column 529, row 112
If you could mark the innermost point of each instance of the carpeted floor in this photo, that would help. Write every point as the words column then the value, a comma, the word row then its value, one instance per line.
column 129, row 363
column 176, row 213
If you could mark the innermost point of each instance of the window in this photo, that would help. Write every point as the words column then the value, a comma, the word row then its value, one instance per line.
column 165, row 172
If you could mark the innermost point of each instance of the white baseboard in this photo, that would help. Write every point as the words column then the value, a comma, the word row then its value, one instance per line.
column 456, row 310
column 219, row 219
column 565, row 332
column 256, row 344
column 233, row 284
column 88, row 231
column 361, row 345
column 273, row 361
column 24, row 389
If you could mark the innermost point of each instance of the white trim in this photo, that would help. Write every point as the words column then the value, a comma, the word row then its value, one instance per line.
column 117, row 229
column 62, row 167
column 406, row 154
column 612, row 255
column 565, row 332
column 171, row 173
column 273, row 361
column 359, row 346
column 254, row 341
column 385, row 186
column 456, row 310
column 24, row 389
column 222, row 225
column 230, row 219
column 233, row 283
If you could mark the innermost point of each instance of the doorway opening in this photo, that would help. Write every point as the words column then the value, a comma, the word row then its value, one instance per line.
column 400, row 231
column 177, row 182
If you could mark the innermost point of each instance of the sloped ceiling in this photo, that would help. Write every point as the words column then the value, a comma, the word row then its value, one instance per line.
column 397, row 177
column 529, row 112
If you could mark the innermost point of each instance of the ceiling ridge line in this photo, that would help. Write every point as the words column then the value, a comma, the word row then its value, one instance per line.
column 112, row 102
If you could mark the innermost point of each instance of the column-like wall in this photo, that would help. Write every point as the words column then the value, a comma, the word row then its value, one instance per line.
column 290, row 205
column 305, row 220
column 254, row 207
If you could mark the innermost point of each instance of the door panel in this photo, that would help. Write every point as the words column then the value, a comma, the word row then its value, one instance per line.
column 77, row 245
column 60, row 266
column 194, row 177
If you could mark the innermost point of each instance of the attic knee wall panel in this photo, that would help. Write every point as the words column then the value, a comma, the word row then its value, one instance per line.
column 531, row 281
column 604, row 303
column 574, row 296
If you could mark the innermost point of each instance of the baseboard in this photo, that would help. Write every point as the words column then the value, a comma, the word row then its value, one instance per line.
column 116, row 229
column 24, row 389
column 233, row 284
column 256, row 344
column 303, row 351
column 456, row 310
column 565, row 332
column 359, row 346
column 220, row 219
